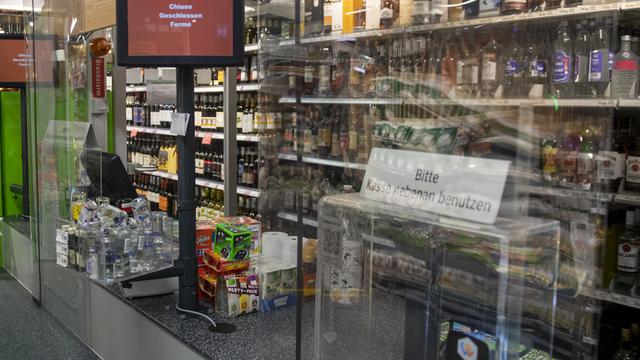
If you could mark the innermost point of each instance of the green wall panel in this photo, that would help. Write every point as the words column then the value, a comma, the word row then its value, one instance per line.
column 10, row 154
column 11, row 150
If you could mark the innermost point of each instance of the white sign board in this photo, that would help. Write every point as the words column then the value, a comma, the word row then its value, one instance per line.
column 462, row 187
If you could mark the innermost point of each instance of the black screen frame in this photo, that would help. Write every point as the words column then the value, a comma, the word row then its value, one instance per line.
column 124, row 59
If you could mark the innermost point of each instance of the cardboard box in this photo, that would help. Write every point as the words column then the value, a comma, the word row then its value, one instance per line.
column 237, row 294
column 204, row 240
column 232, row 243
column 267, row 305
column 251, row 224
column 221, row 266
column 62, row 260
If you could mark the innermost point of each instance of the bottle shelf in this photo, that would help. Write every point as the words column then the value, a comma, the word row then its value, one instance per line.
column 286, row 215
column 200, row 134
column 202, row 89
column 586, row 103
column 578, row 11
column 213, row 184
column 628, row 198
column 612, row 297
column 220, row 88
column 320, row 161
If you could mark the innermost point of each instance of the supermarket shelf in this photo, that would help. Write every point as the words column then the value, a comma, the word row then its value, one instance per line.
column 219, row 185
column 319, row 161
column 202, row 89
column 200, row 134
column 220, row 88
column 588, row 103
column 294, row 217
column 630, row 198
column 251, row 48
column 136, row 88
column 150, row 130
column 609, row 296
column 627, row 198
column 578, row 11
column 572, row 193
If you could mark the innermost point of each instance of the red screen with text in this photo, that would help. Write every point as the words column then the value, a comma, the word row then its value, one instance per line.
column 14, row 61
column 180, row 28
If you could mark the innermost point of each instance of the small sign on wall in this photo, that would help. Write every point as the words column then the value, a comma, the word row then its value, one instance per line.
column 98, row 83
column 457, row 186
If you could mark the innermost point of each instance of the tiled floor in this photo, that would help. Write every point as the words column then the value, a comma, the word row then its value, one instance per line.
column 28, row 331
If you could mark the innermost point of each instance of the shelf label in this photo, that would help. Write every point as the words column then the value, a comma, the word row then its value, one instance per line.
column 456, row 186
column 179, row 122
column 134, row 132
column 206, row 140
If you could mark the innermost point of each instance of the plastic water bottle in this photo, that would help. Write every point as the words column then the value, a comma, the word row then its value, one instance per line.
column 92, row 263
column 141, row 212
column 148, row 258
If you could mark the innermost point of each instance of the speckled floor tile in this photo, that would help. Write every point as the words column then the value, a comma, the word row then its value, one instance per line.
column 29, row 332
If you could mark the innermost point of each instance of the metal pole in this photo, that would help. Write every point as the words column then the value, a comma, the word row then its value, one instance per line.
column 186, row 194
column 118, row 86
column 300, row 165
column 230, row 143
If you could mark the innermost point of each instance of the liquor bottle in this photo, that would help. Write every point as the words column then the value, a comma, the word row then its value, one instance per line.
column 220, row 114
column 240, row 112
column 327, row 16
column 247, row 116
column 625, row 352
column 581, row 60
column 313, row 17
column 324, row 132
column 513, row 6
column 586, row 159
column 439, row 11
column 471, row 9
column 448, row 67
column 421, row 12
column 552, row 4
column 456, row 10
column 599, row 79
column 611, row 161
column 250, row 31
column 562, row 63
column 253, row 76
column 491, row 62
column 628, row 248
column 243, row 73
column 624, row 77
column 550, row 158
column 387, row 14
column 512, row 83
column 354, row 129
column 310, row 75
column 536, row 77
column 568, row 158
column 324, row 70
column 535, row 5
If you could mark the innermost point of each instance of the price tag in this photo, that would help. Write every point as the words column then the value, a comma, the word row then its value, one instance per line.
column 134, row 132
column 206, row 140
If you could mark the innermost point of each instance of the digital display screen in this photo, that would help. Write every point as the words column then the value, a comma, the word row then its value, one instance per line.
column 15, row 59
column 190, row 32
